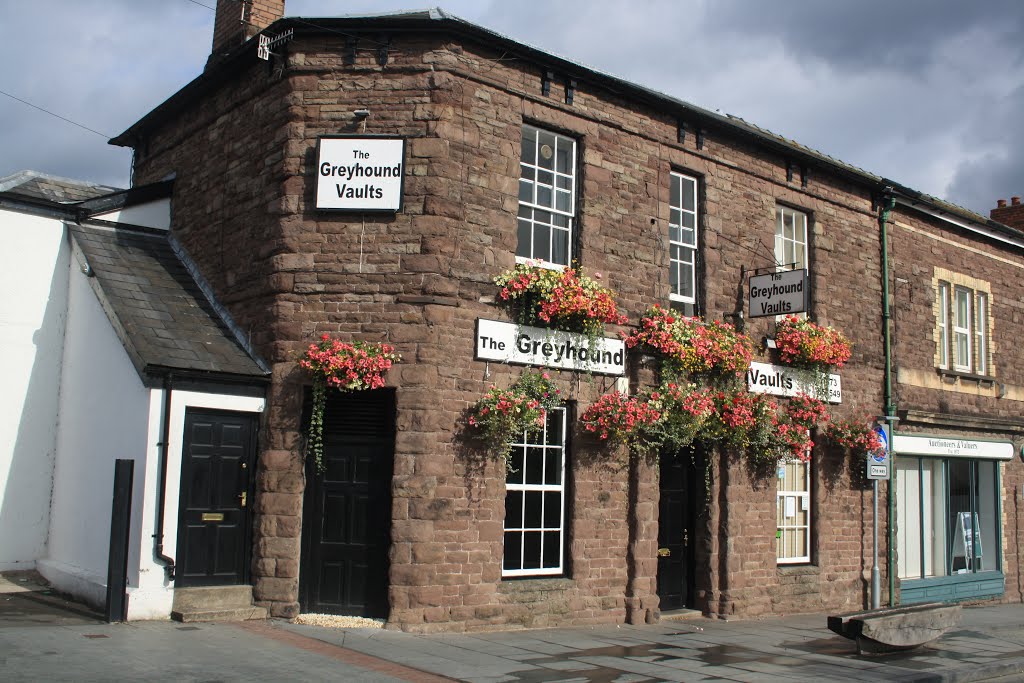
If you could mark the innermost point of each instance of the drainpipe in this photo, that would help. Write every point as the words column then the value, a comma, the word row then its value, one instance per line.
column 164, row 445
column 888, row 202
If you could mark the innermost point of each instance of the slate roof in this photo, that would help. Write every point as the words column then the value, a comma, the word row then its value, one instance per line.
column 35, row 185
column 161, row 314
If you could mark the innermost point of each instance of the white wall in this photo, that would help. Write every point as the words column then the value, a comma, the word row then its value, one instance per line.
column 155, row 214
column 104, row 415
column 33, row 281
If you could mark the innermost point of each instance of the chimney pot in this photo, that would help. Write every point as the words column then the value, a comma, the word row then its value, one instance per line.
column 1000, row 203
column 1015, row 201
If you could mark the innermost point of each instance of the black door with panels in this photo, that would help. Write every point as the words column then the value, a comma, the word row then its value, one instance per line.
column 347, row 520
column 213, row 509
column 682, row 491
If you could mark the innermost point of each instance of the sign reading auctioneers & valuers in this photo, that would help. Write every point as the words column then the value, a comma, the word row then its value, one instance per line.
column 511, row 343
column 359, row 173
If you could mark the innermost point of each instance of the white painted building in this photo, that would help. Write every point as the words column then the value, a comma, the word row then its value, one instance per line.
column 106, row 331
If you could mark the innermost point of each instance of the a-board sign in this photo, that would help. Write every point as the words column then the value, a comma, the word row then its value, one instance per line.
column 359, row 173
column 779, row 293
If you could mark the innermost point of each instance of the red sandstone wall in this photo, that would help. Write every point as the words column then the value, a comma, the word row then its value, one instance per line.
column 243, row 207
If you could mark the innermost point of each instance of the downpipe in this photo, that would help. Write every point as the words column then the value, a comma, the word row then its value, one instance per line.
column 888, row 203
column 164, row 446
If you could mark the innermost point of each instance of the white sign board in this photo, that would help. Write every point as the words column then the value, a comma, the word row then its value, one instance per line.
column 360, row 173
column 782, row 380
column 945, row 446
column 511, row 343
column 778, row 293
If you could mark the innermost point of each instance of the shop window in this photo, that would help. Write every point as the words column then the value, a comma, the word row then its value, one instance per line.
column 962, row 328
column 547, row 198
column 946, row 517
column 682, row 238
column 793, row 533
column 535, row 501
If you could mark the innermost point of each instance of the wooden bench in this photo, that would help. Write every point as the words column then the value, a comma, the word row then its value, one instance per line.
column 894, row 629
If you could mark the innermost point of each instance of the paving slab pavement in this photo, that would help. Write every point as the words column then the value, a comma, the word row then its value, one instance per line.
column 44, row 637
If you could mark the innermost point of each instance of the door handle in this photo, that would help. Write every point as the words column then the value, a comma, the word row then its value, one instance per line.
column 686, row 538
column 244, row 496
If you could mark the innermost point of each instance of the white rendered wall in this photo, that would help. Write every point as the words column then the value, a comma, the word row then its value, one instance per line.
column 156, row 214
column 33, row 278
column 104, row 415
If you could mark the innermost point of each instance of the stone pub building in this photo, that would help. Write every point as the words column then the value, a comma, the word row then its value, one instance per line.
column 507, row 153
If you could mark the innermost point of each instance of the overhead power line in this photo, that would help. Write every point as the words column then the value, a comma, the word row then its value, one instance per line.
column 62, row 118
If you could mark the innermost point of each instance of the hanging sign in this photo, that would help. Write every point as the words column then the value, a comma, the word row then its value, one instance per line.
column 359, row 173
column 778, row 293
column 511, row 343
column 952, row 447
column 782, row 380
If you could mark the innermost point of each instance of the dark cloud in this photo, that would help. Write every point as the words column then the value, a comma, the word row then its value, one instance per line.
column 922, row 91
column 870, row 34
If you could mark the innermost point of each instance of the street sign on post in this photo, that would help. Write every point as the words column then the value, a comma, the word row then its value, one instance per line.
column 879, row 462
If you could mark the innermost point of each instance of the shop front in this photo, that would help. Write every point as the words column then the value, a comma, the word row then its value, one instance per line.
column 949, row 517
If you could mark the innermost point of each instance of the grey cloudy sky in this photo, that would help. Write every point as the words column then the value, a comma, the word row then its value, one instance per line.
column 929, row 93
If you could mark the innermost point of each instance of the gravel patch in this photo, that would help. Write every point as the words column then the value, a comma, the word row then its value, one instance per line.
column 336, row 621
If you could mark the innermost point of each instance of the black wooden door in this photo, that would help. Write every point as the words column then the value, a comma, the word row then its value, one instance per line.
column 681, row 489
column 213, row 520
column 347, row 527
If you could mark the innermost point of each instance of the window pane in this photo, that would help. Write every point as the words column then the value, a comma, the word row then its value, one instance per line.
column 552, row 549
column 529, row 149
column 959, row 516
column 534, row 465
column 553, row 510
column 525, row 191
column 962, row 308
column 531, row 550
column 986, row 547
column 514, row 510
column 542, row 241
column 546, row 150
column 513, row 550
column 689, row 187
column 981, row 331
column 532, row 509
column 563, row 201
column 560, row 247
column 564, row 156
column 515, row 471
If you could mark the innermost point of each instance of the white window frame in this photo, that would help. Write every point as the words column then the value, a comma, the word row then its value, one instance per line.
column 802, row 495
column 677, row 242
column 961, row 331
column 539, row 200
column 797, row 222
column 537, row 439
column 943, row 324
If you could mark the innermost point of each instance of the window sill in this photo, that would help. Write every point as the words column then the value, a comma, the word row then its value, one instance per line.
column 528, row 584
column 954, row 376
column 540, row 263
column 799, row 569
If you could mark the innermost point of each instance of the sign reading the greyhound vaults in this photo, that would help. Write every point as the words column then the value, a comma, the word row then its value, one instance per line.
column 359, row 173
column 511, row 343
column 782, row 380
column 778, row 293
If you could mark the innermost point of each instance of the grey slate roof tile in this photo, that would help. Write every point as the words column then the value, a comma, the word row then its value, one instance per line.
column 167, row 320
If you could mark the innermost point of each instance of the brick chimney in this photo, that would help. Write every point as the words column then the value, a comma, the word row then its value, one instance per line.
column 1012, row 215
column 239, row 20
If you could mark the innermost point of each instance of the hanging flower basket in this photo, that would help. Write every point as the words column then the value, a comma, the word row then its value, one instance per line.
column 618, row 418
column 344, row 366
column 711, row 349
column 856, row 437
column 803, row 343
column 564, row 300
column 504, row 415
